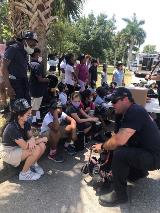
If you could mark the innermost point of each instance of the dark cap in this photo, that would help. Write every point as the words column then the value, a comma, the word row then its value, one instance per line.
column 30, row 35
column 55, row 105
column 121, row 92
column 20, row 105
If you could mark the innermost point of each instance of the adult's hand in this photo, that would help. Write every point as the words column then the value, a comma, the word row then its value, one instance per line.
column 97, row 147
column 148, row 77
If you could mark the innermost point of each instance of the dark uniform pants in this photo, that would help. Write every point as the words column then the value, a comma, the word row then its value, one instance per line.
column 126, row 159
column 21, row 88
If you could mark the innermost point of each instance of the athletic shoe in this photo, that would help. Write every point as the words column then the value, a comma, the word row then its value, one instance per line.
column 70, row 149
column 112, row 199
column 29, row 175
column 52, row 154
column 56, row 158
column 37, row 169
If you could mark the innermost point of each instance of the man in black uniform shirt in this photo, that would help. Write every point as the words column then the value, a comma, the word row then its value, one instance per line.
column 136, row 146
column 15, row 65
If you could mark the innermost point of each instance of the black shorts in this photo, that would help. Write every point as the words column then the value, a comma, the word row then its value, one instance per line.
column 21, row 88
column 83, row 126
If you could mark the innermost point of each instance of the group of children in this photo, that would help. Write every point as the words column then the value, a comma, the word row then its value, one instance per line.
column 70, row 118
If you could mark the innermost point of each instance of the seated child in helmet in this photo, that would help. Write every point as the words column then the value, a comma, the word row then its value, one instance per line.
column 18, row 143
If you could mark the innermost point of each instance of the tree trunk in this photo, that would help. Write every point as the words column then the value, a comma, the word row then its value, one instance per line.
column 130, row 53
column 42, row 44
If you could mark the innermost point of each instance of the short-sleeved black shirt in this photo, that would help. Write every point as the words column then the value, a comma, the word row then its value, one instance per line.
column 13, row 132
column 71, row 109
column 147, row 134
column 19, row 60
column 93, row 73
column 36, row 88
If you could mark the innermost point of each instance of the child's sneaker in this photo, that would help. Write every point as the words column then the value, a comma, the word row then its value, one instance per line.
column 29, row 175
column 52, row 154
column 37, row 169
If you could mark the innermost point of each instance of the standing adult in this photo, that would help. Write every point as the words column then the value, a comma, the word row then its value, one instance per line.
column 15, row 66
column 37, row 84
column 93, row 72
column 62, row 69
column 82, row 72
column 118, row 75
column 70, row 76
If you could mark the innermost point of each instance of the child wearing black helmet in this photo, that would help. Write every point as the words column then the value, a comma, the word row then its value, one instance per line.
column 18, row 143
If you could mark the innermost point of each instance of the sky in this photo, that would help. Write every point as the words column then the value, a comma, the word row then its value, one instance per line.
column 148, row 10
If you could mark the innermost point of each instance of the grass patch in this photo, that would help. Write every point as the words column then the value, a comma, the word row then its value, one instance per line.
column 127, row 78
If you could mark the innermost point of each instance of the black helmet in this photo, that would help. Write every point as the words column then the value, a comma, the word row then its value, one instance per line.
column 30, row 35
column 20, row 105
column 55, row 105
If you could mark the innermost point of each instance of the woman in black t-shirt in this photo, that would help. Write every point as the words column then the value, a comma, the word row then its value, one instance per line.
column 18, row 143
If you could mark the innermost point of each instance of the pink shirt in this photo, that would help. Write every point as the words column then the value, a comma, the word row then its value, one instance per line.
column 82, row 72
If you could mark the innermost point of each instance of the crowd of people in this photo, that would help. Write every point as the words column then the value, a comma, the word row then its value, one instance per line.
column 69, row 111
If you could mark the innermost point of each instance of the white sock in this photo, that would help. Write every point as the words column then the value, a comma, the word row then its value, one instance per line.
column 35, row 164
column 34, row 119
column 38, row 115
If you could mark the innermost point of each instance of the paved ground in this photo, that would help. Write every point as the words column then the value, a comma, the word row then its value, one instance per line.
column 63, row 190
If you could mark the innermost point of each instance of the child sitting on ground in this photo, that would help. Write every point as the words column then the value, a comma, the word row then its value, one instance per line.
column 18, row 143
column 57, row 125
column 84, row 122
column 87, row 101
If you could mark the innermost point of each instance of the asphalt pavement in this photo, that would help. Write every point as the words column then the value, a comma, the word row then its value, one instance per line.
column 63, row 189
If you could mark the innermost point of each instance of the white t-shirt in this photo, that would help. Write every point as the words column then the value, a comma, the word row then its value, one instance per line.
column 63, row 98
column 68, row 75
column 63, row 65
column 53, row 63
column 49, row 119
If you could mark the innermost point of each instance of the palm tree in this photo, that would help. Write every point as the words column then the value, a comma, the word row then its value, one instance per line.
column 37, row 15
column 134, row 34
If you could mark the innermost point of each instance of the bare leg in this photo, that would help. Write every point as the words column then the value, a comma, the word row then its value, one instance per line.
column 54, row 138
column 31, row 157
